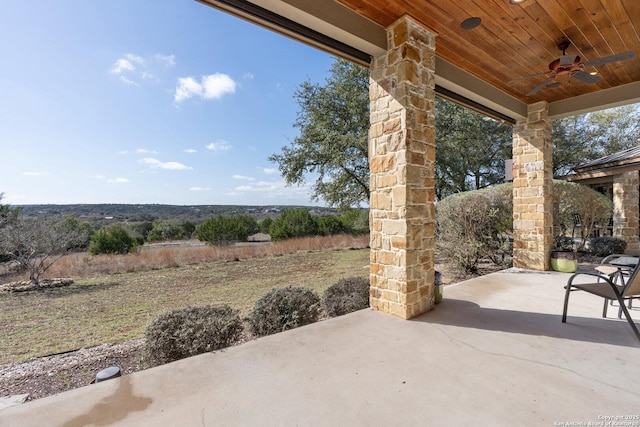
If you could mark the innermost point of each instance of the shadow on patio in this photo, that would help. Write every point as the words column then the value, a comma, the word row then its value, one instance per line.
column 494, row 352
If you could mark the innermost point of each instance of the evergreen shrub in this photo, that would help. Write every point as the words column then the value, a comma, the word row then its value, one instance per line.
column 190, row 331
column 282, row 309
column 345, row 296
column 605, row 246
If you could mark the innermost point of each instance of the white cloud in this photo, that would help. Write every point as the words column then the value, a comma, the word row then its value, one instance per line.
column 165, row 60
column 216, row 85
column 132, row 69
column 117, row 180
column 248, row 76
column 187, row 87
column 213, row 86
column 269, row 171
column 134, row 58
column 155, row 163
column 121, row 65
column 190, row 151
column 243, row 178
column 145, row 151
column 129, row 82
column 126, row 64
column 32, row 173
column 219, row 146
column 200, row 189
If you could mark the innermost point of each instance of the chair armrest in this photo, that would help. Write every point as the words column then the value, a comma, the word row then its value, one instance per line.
column 611, row 257
column 608, row 279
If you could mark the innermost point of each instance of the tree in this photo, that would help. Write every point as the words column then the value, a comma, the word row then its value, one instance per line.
column 574, row 202
column 579, row 139
column 7, row 213
column 330, row 225
column 333, row 142
column 112, row 240
column 36, row 244
column 170, row 229
column 334, row 137
column 265, row 224
column 470, row 149
column 224, row 230
column 293, row 223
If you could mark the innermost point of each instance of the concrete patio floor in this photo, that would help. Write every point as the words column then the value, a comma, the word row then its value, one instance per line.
column 494, row 352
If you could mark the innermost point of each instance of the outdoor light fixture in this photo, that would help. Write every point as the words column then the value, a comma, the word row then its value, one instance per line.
column 517, row 1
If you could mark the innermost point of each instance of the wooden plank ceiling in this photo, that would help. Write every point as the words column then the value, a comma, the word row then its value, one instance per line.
column 514, row 41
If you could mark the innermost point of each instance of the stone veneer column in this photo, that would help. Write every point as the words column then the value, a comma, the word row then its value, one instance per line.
column 625, row 209
column 402, row 162
column 532, row 187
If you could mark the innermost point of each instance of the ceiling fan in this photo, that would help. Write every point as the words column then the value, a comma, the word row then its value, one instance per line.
column 570, row 65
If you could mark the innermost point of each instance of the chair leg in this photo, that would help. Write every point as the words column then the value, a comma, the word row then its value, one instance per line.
column 629, row 319
column 604, row 310
column 566, row 303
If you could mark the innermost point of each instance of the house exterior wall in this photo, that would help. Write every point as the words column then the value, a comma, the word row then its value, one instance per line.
column 402, row 165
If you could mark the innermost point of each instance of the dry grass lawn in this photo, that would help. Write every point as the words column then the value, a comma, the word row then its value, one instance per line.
column 108, row 307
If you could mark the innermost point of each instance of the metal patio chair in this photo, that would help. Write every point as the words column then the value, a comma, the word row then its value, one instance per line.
column 606, row 286
column 618, row 267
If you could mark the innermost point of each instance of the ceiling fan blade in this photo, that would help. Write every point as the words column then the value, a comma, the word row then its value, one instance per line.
column 567, row 59
column 586, row 77
column 540, row 86
column 608, row 59
column 526, row 77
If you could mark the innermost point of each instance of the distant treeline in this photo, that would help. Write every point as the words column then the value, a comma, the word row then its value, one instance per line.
column 151, row 212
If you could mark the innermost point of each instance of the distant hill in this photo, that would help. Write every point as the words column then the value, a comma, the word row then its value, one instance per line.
column 151, row 212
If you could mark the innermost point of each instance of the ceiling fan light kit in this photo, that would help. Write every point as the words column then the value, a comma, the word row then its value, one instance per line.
column 571, row 66
column 517, row 1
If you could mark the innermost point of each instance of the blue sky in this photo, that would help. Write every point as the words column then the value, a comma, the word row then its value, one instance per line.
column 145, row 101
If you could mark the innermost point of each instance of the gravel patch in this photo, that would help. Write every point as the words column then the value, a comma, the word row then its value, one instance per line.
column 44, row 376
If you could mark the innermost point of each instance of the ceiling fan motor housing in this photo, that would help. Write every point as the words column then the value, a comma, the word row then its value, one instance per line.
column 555, row 65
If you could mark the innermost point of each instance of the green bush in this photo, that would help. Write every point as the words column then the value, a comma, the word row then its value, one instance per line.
column 170, row 229
column 605, row 246
column 293, row 223
column 345, row 296
column 563, row 244
column 282, row 309
column 330, row 225
column 572, row 200
column 224, row 230
column 190, row 331
column 475, row 225
column 356, row 221
column 265, row 224
column 112, row 240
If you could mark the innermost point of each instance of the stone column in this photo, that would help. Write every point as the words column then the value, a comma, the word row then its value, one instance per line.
column 402, row 163
column 532, row 187
column 625, row 209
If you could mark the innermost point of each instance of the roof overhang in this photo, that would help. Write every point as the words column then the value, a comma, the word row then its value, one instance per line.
column 340, row 31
